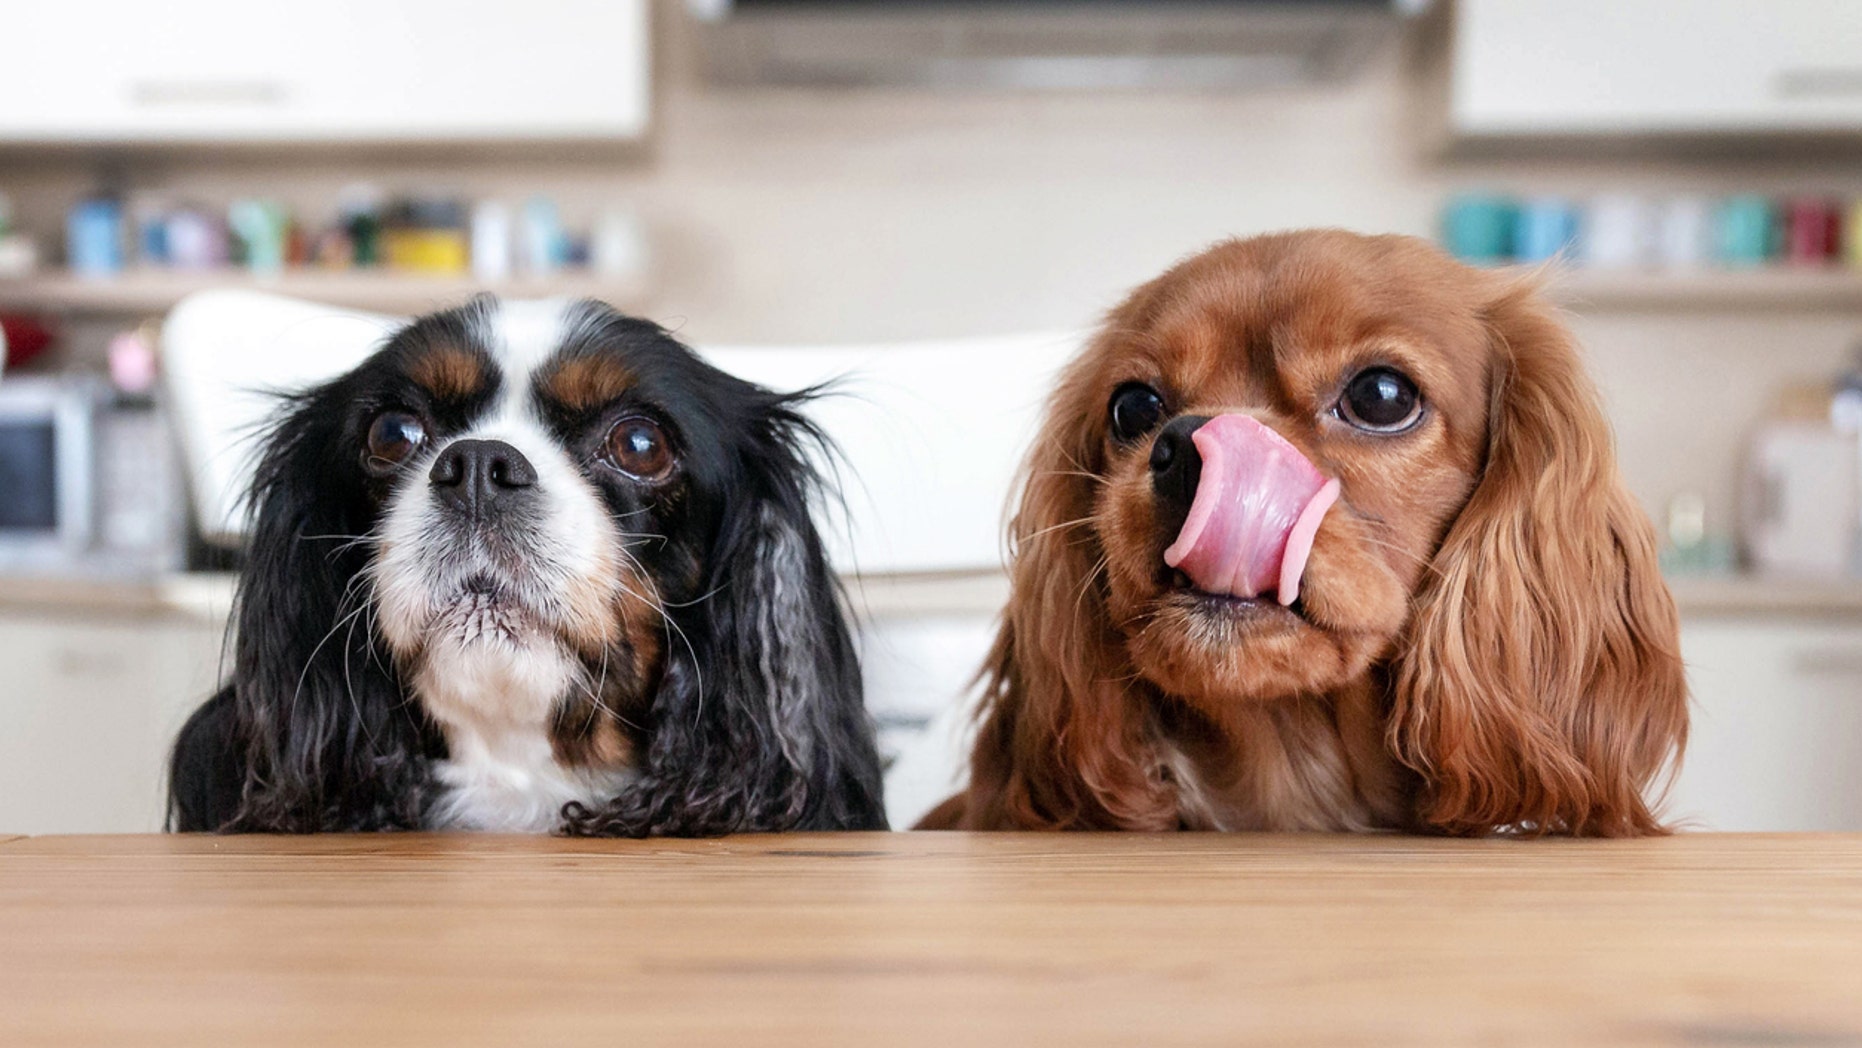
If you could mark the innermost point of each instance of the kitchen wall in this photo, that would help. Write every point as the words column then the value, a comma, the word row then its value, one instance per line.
column 803, row 216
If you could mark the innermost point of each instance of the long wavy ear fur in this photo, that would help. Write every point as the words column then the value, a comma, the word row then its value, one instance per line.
column 1540, row 689
column 1061, row 743
column 312, row 733
column 760, row 722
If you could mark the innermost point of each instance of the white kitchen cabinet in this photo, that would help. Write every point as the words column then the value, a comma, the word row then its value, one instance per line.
column 120, row 71
column 88, row 708
column 1532, row 67
column 1777, row 725
column 920, row 674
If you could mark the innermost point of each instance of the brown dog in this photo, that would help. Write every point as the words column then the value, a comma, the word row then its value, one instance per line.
column 1325, row 532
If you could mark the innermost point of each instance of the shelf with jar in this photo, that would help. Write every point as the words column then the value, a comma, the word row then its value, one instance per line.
column 394, row 255
column 380, row 291
column 1624, row 252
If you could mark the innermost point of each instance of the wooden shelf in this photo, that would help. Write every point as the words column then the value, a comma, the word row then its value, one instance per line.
column 207, row 596
column 1766, row 595
column 1597, row 291
column 156, row 291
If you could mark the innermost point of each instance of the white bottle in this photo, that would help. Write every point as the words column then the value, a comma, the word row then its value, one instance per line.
column 618, row 247
column 491, row 242
column 543, row 238
column 1846, row 416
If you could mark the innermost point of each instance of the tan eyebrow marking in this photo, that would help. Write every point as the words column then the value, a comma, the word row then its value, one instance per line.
column 449, row 372
column 582, row 383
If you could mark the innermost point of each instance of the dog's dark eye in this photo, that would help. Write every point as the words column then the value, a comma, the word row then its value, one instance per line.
column 393, row 437
column 638, row 447
column 1134, row 411
column 1381, row 400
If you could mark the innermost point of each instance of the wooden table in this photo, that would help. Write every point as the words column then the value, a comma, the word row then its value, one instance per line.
column 937, row 939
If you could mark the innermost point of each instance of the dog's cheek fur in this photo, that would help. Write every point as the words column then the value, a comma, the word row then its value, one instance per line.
column 1064, row 741
column 757, row 722
column 1541, row 688
column 397, row 577
column 312, row 731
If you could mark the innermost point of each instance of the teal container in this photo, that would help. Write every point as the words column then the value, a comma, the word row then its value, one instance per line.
column 1547, row 226
column 1479, row 228
column 1745, row 231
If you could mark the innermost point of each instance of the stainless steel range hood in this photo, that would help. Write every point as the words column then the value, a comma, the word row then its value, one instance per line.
column 1042, row 43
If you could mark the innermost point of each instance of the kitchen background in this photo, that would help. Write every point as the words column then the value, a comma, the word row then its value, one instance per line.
column 880, row 185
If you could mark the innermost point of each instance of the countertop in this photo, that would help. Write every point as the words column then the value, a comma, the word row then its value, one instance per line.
column 209, row 596
column 931, row 939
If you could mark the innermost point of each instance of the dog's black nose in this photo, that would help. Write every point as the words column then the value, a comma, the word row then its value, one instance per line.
column 474, row 475
column 1176, row 465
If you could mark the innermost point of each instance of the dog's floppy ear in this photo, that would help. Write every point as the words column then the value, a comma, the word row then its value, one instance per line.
column 1540, row 688
column 760, row 721
column 312, row 733
column 1061, row 742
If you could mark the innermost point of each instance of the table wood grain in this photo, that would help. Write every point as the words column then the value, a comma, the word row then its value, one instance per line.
column 930, row 939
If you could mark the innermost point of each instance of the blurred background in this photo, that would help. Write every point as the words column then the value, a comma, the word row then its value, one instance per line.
column 936, row 198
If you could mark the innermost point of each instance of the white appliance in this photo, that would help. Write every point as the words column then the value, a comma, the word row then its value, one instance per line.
column 87, row 481
column 1801, row 500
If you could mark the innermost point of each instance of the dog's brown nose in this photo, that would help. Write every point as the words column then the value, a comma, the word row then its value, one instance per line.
column 476, row 475
column 1176, row 465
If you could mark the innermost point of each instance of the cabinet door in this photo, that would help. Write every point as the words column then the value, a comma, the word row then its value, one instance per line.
column 88, row 711
column 1605, row 66
column 342, row 70
column 920, row 672
column 1777, row 727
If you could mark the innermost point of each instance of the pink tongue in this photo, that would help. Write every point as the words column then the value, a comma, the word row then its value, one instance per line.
column 1256, row 510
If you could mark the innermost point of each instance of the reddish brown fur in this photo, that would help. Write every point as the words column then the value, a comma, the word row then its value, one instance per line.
column 1487, row 647
column 582, row 383
column 614, row 606
column 448, row 372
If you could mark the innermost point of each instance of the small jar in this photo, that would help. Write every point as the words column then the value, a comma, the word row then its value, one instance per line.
column 427, row 236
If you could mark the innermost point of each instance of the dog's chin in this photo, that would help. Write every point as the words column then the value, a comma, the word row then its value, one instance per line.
column 481, row 610
column 485, row 656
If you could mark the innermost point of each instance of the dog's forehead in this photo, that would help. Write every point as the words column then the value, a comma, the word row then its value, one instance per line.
column 1299, row 323
column 527, row 337
column 463, row 353
column 550, row 350
column 524, row 350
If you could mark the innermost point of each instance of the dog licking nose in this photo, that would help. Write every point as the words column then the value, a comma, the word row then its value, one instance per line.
column 1257, row 505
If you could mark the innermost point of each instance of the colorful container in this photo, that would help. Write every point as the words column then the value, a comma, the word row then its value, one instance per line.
column 1479, row 228
column 1743, row 231
column 1813, row 228
column 1547, row 227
